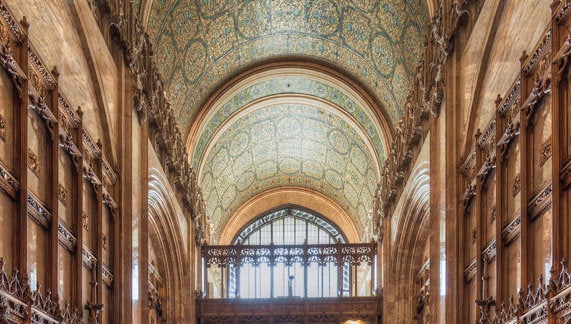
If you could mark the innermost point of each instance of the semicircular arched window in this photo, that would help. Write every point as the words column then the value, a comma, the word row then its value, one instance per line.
column 288, row 226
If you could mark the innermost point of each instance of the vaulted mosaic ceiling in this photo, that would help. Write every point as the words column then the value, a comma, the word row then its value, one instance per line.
column 277, row 129
column 198, row 43
column 287, row 83
column 293, row 144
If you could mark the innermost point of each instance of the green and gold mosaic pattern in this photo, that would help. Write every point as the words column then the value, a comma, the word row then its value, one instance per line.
column 288, row 145
column 288, row 85
column 200, row 42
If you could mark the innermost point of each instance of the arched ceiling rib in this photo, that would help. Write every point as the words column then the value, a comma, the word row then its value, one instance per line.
column 199, row 43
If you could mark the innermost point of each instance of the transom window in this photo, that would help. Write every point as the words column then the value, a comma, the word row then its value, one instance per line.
column 289, row 226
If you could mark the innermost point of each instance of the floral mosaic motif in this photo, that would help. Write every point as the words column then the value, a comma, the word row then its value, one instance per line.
column 288, row 145
column 377, row 42
column 298, row 85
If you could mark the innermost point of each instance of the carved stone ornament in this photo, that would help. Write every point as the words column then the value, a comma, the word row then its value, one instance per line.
column 62, row 194
column 545, row 151
column 512, row 130
column 85, row 221
column 468, row 195
column 34, row 162
column 104, row 242
column 2, row 128
column 506, row 312
column 516, row 187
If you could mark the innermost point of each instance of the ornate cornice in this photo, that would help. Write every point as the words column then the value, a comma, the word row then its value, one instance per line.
column 511, row 99
column 543, row 49
column 38, row 211
column 8, row 182
column 89, row 259
column 107, row 275
column 470, row 271
column 561, row 13
column 511, row 231
column 489, row 252
column 540, row 201
column 66, row 237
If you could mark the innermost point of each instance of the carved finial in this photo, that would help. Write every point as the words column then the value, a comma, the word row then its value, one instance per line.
column 529, row 286
column 99, row 144
column 79, row 112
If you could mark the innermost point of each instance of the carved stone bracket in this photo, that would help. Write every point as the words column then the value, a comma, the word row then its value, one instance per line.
column 561, row 59
column 488, row 165
column 511, row 132
column 11, row 35
column 469, row 193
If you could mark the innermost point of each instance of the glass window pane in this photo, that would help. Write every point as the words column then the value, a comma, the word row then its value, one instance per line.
column 284, row 227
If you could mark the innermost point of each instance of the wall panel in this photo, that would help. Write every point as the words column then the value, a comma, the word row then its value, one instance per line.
column 6, row 121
